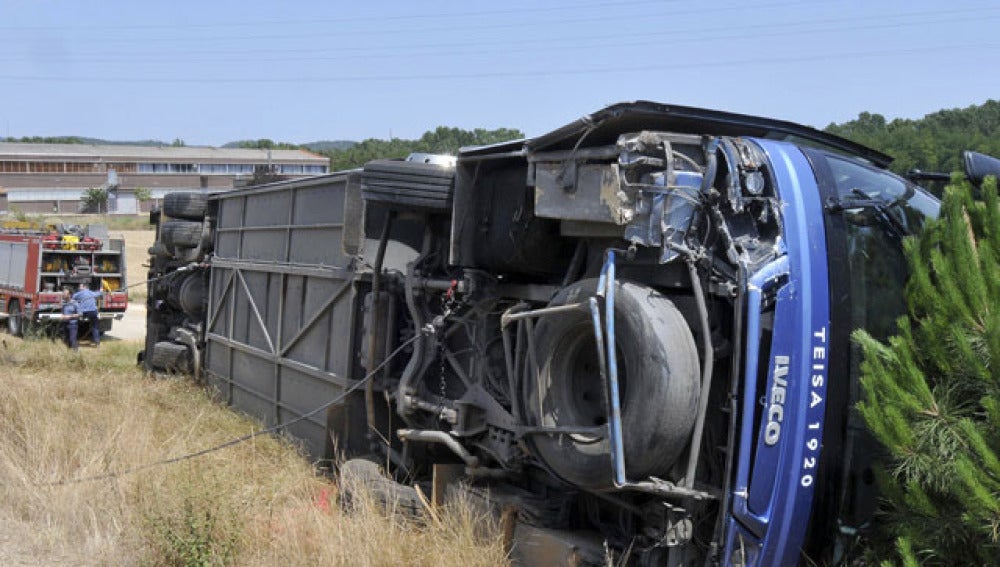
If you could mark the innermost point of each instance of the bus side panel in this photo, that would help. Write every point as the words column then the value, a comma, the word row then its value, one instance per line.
column 282, row 304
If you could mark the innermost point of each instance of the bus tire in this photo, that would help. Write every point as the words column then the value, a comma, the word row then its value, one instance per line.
column 170, row 357
column 191, row 206
column 181, row 234
column 658, row 371
column 363, row 478
column 408, row 185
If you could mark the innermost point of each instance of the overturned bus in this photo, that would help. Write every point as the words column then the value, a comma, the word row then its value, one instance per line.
column 632, row 332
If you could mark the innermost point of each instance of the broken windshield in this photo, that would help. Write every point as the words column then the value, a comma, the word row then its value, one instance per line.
column 906, row 204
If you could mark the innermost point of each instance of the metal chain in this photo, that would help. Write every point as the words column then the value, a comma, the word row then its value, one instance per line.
column 442, row 382
column 449, row 303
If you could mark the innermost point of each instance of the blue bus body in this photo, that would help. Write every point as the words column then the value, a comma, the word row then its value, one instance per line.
column 631, row 335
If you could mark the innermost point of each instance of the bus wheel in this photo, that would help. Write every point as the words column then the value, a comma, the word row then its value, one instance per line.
column 658, row 375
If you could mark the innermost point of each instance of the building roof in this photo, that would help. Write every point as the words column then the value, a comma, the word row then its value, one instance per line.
column 159, row 154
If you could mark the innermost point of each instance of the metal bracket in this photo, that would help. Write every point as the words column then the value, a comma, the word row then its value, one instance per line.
column 608, row 360
column 520, row 313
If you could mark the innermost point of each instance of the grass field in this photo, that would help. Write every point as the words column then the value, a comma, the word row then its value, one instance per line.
column 113, row 222
column 66, row 416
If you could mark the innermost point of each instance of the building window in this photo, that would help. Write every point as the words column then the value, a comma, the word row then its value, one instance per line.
column 153, row 168
column 167, row 168
column 13, row 166
column 288, row 169
column 81, row 167
column 224, row 168
column 212, row 168
column 123, row 167
column 46, row 167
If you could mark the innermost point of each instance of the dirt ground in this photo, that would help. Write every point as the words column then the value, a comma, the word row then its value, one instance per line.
column 137, row 243
column 133, row 326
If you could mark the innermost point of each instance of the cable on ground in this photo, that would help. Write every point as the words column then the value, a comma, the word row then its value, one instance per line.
column 273, row 429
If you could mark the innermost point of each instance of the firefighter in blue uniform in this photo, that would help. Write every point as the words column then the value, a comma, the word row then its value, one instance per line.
column 71, row 320
column 87, row 301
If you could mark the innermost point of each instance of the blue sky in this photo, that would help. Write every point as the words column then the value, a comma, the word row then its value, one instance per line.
column 211, row 72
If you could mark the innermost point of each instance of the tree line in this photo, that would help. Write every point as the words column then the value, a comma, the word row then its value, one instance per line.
column 349, row 155
column 442, row 140
column 932, row 143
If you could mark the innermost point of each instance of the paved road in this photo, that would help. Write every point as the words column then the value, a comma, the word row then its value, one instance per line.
column 133, row 326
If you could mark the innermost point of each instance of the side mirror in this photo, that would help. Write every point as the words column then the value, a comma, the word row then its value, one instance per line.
column 978, row 166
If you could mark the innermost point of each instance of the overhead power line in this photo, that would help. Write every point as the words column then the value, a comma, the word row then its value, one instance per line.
column 372, row 47
column 368, row 34
column 623, row 69
column 269, row 23
column 449, row 49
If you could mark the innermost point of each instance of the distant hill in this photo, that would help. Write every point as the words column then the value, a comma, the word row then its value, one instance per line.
column 442, row 140
column 153, row 143
column 345, row 154
column 327, row 145
column 320, row 146
column 82, row 140
column 932, row 143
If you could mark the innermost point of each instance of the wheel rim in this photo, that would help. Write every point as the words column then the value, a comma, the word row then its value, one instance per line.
column 582, row 393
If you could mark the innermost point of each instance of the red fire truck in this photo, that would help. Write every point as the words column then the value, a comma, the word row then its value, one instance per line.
column 38, row 262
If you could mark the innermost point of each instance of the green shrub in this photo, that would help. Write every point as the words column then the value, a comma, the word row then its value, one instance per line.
column 932, row 393
column 193, row 537
column 94, row 200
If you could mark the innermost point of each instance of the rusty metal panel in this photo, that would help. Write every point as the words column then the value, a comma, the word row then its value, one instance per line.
column 591, row 192
column 282, row 304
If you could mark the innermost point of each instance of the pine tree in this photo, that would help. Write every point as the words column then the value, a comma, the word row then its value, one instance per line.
column 932, row 393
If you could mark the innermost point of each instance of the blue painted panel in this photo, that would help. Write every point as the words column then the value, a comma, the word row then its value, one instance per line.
column 774, row 504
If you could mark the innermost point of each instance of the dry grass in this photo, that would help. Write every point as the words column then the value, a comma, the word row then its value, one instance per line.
column 113, row 222
column 65, row 417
